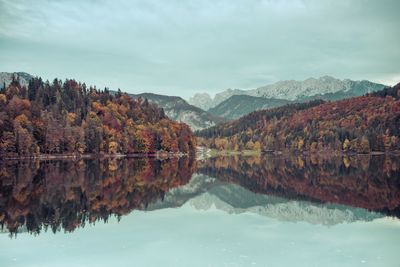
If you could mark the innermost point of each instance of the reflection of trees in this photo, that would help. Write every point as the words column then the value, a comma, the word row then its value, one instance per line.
column 371, row 182
column 66, row 195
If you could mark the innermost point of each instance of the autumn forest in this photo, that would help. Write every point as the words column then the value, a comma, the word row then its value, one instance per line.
column 70, row 118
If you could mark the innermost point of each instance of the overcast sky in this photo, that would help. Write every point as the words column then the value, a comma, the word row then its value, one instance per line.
column 183, row 47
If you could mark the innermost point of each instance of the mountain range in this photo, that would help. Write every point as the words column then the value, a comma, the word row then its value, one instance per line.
column 202, row 111
column 326, row 88
column 234, row 103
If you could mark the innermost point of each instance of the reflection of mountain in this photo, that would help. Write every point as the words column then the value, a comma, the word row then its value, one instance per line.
column 66, row 194
column 180, row 195
column 366, row 182
column 204, row 192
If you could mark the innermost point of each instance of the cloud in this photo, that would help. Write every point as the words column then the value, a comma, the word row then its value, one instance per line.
column 179, row 47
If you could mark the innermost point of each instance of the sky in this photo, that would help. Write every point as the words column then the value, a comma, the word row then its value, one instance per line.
column 179, row 48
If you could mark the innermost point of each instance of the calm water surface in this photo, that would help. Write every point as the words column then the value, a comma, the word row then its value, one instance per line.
column 224, row 211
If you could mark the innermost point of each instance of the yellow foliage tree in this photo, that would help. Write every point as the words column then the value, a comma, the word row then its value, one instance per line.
column 113, row 147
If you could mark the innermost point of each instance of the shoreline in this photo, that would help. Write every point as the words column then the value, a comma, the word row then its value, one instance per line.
column 157, row 155
column 214, row 152
column 204, row 153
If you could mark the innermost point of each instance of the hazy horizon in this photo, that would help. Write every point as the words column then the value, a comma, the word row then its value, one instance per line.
column 181, row 49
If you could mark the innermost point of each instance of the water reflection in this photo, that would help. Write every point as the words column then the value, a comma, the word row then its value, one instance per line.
column 207, row 193
column 64, row 195
column 370, row 182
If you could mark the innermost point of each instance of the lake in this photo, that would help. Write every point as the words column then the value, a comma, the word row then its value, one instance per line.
column 222, row 211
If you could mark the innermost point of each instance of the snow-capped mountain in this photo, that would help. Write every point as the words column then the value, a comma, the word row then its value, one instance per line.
column 326, row 87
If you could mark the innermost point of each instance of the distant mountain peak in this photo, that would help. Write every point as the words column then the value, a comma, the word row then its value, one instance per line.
column 206, row 102
column 325, row 85
column 201, row 100
column 22, row 77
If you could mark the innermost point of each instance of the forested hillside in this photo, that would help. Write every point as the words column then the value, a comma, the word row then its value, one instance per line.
column 68, row 117
column 360, row 124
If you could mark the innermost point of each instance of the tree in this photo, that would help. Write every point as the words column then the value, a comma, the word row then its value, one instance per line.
column 24, row 141
column 93, row 133
column 113, row 147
